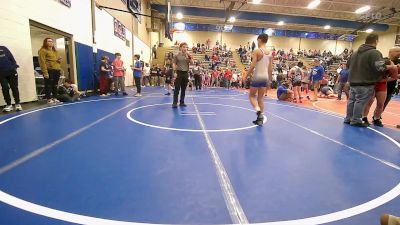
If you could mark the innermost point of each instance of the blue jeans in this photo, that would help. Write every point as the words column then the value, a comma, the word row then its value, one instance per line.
column 359, row 97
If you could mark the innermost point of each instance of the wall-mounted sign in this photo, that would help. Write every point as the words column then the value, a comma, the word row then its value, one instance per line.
column 135, row 6
column 397, row 42
column 66, row 3
column 119, row 30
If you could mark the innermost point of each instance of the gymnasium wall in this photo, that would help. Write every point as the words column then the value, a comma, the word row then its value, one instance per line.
column 386, row 40
column 235, row 39
column 75, row 20
column 14, row 19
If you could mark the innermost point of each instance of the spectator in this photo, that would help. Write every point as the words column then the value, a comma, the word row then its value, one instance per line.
column 154, row 50
column 366, row 67
column 9, row 79
column 119, row 74
column 342, row 82
column 50, row 64
column 317, row 75
column 137, row 75
column 68, row 92
column 253, row 46
column 389, row 219
column 104, row 76
column 146, row 73
column 283, row 93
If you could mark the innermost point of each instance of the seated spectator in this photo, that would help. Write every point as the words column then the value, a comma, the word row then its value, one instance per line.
column 68, row 92
column 327, row 92
column 283, row 93
column 390, row 220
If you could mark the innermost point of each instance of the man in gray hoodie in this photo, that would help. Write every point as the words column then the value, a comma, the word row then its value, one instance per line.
column 366, row 67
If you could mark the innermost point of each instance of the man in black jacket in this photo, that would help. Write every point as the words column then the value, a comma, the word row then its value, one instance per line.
column 366, row 67
column 9, row 78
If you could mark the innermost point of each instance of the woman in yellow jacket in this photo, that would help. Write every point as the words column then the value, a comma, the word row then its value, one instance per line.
column 50, row 64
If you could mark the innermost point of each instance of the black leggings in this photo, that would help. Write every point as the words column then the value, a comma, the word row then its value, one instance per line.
column 197, row 81
column 181, row 83
column 9, row 79
column 51, row 83
column 391, row 86
column 138, row 85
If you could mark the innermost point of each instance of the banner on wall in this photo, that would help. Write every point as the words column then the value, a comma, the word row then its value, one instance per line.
column 119, row 30
column 258, row 31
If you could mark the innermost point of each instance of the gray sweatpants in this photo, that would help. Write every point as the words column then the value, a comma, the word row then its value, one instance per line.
column 359, row 97
column 119, row 83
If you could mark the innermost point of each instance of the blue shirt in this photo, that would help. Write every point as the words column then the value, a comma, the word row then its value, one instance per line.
column 344, row 75
column 137, row 73
column 317, row 73
column 281, row 90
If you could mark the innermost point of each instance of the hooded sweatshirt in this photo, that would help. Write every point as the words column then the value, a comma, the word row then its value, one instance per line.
column 366, row 66
column 7, row 61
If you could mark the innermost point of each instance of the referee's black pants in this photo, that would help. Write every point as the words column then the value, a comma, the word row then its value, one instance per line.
column 181, row 83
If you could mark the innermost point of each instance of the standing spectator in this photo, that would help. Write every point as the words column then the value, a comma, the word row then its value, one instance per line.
column 197, row 76
column 214, row 82
column 317, row 75
column 118, row 74
column 154, row 50
column 366, row 67
column 394, row 56
column 253, row 46
column 181, row 66
column 168, row 78
column 104, row 76
column 342, row 82
column 137, row 75
column 208, row 42
column 146, row 74
column 154, row 74
column 50, row 64
column 9, row 79
column 227, row 78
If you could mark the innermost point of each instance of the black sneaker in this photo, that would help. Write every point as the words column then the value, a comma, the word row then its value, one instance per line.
column 365, row 120
column 359, row 124
column 168, row 94
column 116, row 93
column 258, row 121
column 174, row 105
column 124, row 94
column 346, row 122
column 378, row 123
column 182, row 105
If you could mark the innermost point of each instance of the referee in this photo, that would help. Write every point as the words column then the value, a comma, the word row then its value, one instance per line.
column 181, row 67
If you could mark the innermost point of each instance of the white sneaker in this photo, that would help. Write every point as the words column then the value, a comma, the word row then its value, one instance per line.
column 137, row 95
column 103, row 95
column 18, row 107
column 50, row 102
column 8, row 108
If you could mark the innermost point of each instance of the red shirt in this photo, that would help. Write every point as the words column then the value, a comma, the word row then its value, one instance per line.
column 228, row 74
column 215, row 74
column 118, row 72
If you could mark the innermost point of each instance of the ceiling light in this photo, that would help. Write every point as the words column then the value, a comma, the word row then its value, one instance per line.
column 280, row 23
column 327, row 27
column 256, row 1
column 179, row 15
column 363, row 9
column 314, row 4
column 369, row 30
column 232, row 19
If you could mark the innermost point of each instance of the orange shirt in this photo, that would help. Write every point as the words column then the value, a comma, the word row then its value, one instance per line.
column 117, row 64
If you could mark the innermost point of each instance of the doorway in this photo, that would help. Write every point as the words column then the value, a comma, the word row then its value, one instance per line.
column 63, row 45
